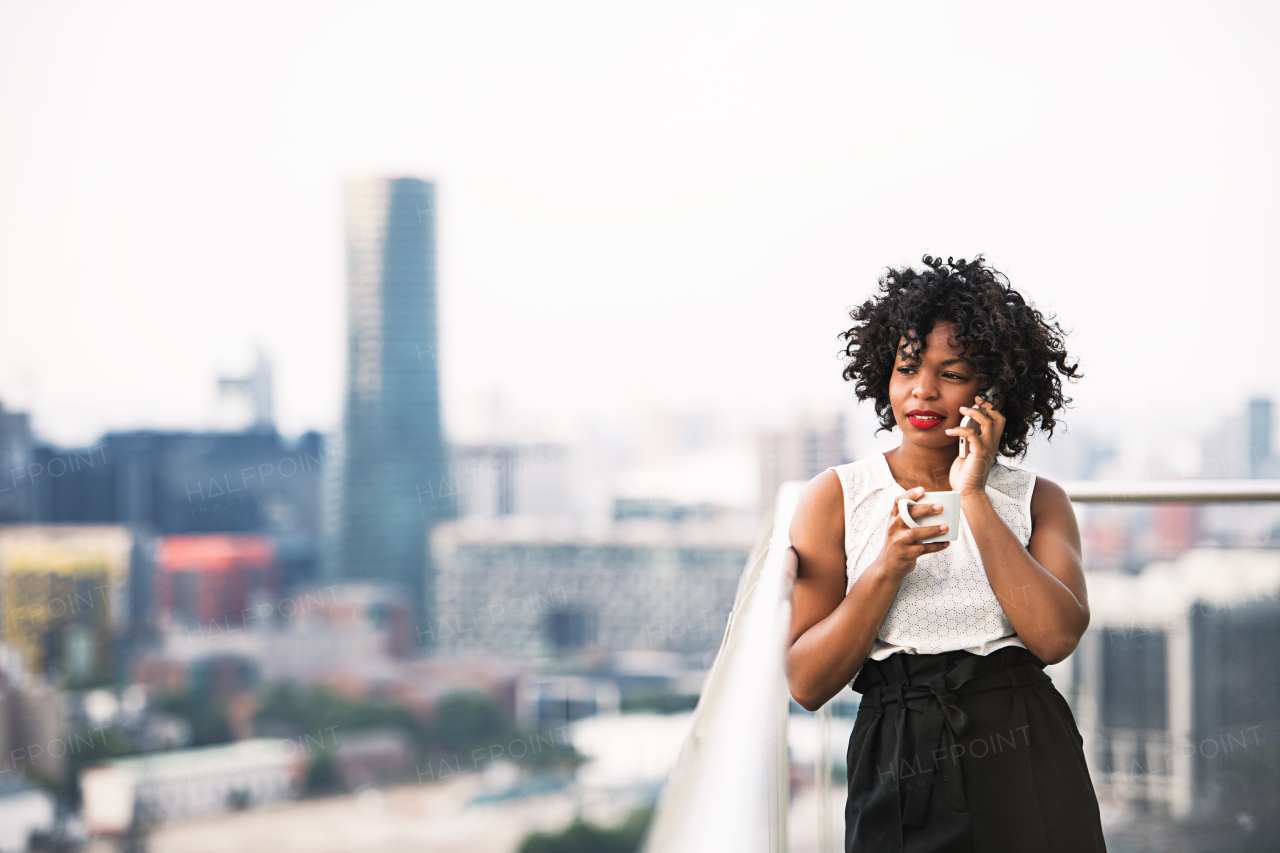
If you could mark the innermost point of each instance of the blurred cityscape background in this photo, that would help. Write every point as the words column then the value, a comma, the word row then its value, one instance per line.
column 383, row 433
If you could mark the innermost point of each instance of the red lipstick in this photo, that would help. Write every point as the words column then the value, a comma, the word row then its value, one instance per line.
column 925, row 418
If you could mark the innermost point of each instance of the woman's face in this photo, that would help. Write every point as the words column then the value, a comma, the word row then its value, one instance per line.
column 926, row 398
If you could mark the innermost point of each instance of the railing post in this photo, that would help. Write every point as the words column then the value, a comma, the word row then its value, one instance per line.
column 822, row 778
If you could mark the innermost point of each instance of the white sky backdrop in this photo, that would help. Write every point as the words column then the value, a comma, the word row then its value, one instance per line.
column 658, row 204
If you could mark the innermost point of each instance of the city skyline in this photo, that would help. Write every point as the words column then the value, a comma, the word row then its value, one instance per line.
column 693, row 239
column 405, row 410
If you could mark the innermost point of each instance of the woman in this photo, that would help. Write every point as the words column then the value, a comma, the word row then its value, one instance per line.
column 961, row 742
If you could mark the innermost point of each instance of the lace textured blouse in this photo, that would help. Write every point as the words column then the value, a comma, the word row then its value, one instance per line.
column 946, row 603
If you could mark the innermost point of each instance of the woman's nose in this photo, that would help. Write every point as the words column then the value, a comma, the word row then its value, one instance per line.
column 925, row 389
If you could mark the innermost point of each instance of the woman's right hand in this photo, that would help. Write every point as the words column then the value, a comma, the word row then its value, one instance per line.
column 902, row 545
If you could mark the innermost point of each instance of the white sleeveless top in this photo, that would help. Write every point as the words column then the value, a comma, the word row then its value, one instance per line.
column 946, row 603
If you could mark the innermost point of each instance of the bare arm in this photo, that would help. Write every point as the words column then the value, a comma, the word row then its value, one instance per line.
column 1041, row 587
column 831, row 632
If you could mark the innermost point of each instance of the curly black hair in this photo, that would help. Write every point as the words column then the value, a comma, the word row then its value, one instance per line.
column 1013, row 345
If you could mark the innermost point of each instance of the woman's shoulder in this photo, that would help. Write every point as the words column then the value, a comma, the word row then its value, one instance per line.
column 819, row 510
column 1048, row 497
column 1034, row 495
column 864, row 476
column 1016, row 481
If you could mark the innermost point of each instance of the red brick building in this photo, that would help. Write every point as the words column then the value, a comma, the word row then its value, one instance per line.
column 214, row 582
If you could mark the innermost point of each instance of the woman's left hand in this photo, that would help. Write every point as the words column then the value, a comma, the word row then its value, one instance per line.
column 969, row 475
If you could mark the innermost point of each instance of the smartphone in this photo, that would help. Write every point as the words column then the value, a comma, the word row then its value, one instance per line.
column 990, row 396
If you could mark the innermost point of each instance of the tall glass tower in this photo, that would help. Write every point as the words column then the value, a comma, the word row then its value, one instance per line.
column 1259, row 436
column 393, row 451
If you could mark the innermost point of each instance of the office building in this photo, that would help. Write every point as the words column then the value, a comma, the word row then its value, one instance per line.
column 16, row 450
column 160, row 483
column 515, row 589
column 306, row 637
column 392, row 444
column 192, row 783
column 1260, row 461
column 1170, row 685
column 215, row 582
column 495, row 480
column 33, row 723
column 63, row 596
column 800, row 453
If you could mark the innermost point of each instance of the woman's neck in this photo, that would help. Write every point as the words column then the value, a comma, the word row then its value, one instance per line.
column 913, row 465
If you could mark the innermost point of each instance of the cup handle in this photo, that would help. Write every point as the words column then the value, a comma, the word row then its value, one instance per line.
column 906, row 516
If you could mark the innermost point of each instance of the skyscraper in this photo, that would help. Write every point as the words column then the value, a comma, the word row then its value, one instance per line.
column 393, row 451
column 1259, row 435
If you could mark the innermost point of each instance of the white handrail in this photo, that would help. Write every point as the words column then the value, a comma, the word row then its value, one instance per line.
column 729, row 790
column 1173, row 491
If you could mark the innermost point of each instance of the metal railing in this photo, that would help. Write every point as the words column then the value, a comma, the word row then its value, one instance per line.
column 1173, row 491
column 730, row 787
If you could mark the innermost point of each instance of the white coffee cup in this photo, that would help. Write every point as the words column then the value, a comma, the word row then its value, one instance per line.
column 950, row 515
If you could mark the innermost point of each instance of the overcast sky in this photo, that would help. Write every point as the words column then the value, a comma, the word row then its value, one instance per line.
column 654, row 205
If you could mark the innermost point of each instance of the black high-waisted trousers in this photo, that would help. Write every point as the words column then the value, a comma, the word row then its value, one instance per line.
column 964, row 753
